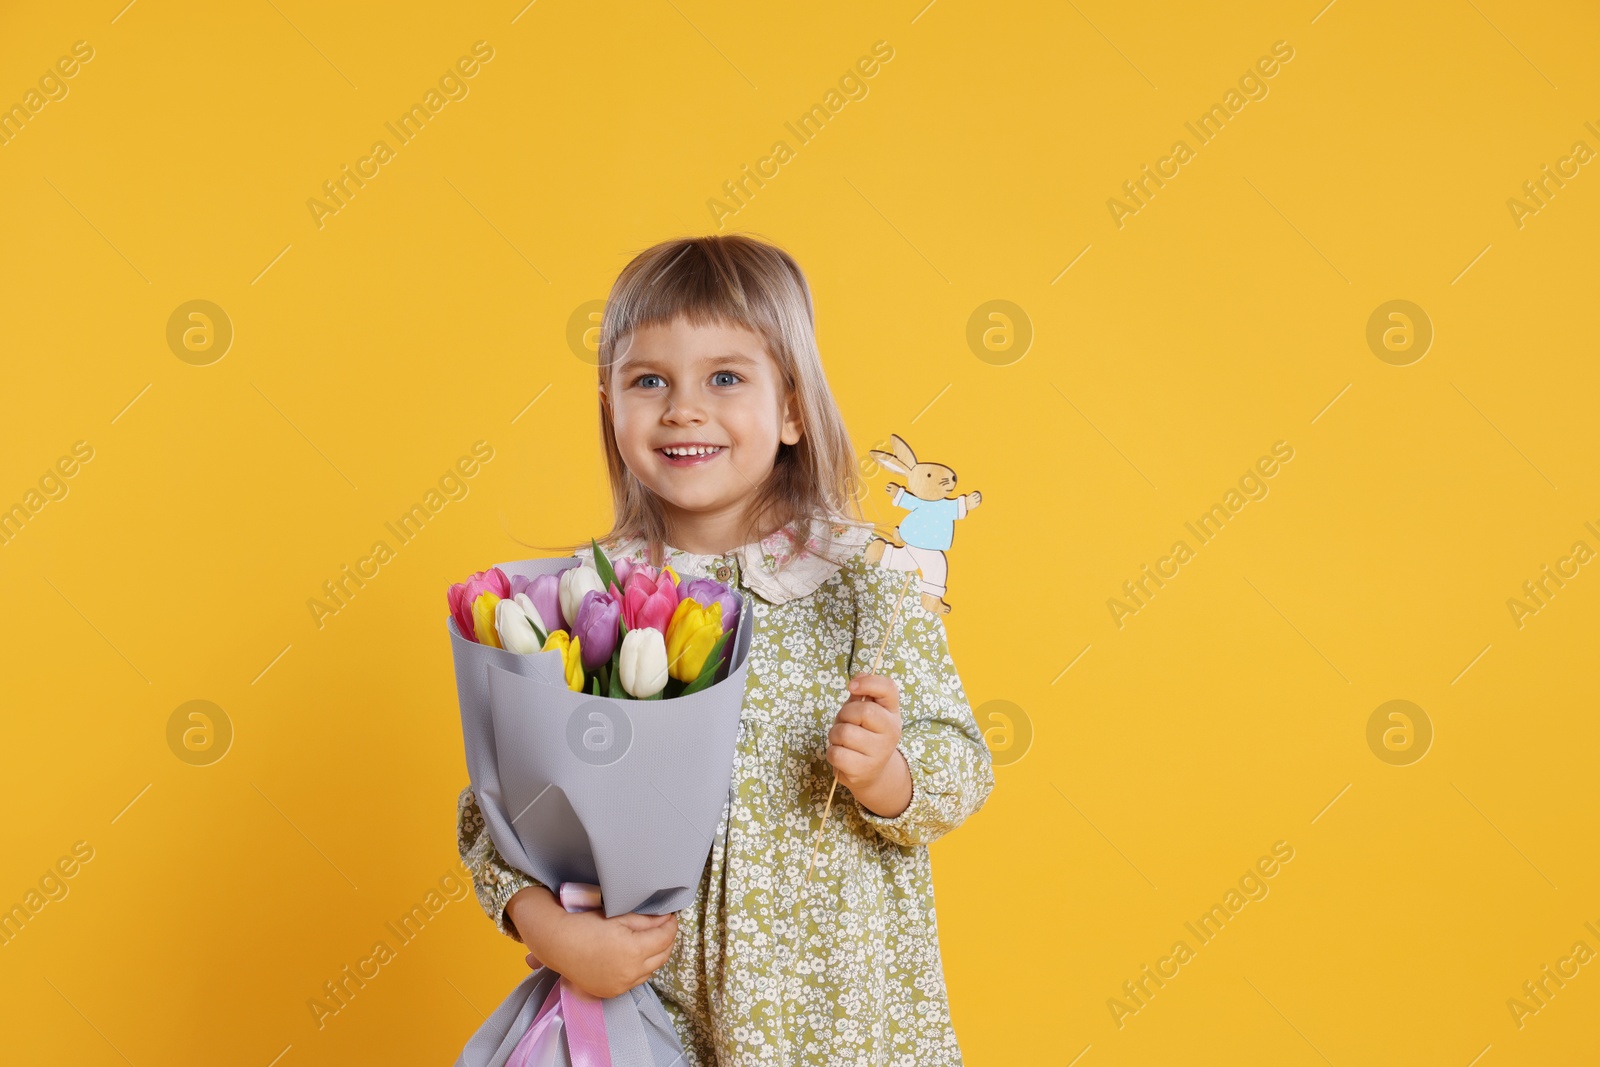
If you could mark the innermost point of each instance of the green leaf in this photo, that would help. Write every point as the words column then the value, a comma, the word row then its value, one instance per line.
column 595, row 688
column 603, row 566
column 708, row 670
column 615, row 690
column 704, row 680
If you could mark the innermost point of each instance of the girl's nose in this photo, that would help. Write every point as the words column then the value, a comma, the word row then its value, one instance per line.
column 682, row 410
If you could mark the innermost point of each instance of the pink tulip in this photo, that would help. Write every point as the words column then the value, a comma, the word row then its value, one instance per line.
column 624, row 567
column 649, row 599
column 462, row 595
column 621, row 568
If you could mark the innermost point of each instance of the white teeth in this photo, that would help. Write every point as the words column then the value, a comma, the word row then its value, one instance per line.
column 696, row 451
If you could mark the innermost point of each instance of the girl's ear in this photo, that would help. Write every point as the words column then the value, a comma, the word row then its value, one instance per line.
column 792, row 429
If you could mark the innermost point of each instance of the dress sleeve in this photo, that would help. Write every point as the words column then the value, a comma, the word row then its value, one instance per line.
column 952, row 773
column 494, row 880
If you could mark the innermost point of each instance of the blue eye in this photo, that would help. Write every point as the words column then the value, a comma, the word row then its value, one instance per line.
column 715, row 378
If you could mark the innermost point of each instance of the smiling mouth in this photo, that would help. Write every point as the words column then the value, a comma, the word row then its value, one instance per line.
column 689, row 456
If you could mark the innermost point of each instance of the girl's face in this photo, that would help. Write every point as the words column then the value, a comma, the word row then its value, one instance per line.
column 677, row 386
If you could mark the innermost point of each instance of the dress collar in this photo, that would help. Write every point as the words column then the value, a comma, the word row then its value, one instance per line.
column 770, row 567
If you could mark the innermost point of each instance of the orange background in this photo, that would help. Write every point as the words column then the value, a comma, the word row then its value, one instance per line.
column 1136, row 374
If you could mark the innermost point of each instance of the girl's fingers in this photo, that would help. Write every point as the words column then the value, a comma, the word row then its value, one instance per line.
column 661, row 941
column 876, row 687
column 846, row 762
column 848, row 735
column 858, row 739
column 869, row 714
column 855, row 711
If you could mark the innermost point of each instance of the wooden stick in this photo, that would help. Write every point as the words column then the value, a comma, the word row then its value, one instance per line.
column 876, row 662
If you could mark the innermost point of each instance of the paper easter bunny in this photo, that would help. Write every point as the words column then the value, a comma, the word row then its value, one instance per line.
column 929, row 529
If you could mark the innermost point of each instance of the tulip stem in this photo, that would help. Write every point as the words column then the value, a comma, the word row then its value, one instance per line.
column 876, row 662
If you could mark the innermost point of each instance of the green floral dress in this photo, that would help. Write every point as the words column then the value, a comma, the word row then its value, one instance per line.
column 766, row 968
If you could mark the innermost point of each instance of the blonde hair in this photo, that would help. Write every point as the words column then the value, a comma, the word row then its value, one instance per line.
column 735, row 279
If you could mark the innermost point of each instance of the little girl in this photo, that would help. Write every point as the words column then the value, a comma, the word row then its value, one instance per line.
column 728, row 459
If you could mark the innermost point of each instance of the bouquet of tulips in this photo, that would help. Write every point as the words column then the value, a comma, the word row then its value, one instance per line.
column 622, row 630
column 600, row 705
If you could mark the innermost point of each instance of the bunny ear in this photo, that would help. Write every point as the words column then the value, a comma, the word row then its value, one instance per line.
column 889, row 462
column 903, row 450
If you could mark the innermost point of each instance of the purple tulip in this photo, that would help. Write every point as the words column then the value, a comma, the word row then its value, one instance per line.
column 545, row 592
column 596, row 627
column 705, row 592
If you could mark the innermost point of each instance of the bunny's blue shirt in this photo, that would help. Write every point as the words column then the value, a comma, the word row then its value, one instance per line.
column 931, row 524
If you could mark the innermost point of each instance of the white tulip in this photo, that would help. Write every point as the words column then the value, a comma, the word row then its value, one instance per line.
column 516, row 632
column 643, row 663
column 576, row 581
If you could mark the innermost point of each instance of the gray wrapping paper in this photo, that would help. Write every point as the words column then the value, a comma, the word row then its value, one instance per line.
column 626, row 794
column 637, row 1027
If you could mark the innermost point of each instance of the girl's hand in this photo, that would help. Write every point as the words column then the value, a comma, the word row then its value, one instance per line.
column 603, row 957
column 607, row 957
column 862, row 746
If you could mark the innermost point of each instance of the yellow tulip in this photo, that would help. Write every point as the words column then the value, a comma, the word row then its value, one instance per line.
column 690, row 635
column 571, row 650
column 483, row 620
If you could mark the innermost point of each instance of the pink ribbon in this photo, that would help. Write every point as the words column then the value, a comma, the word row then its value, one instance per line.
column 567, row 1010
